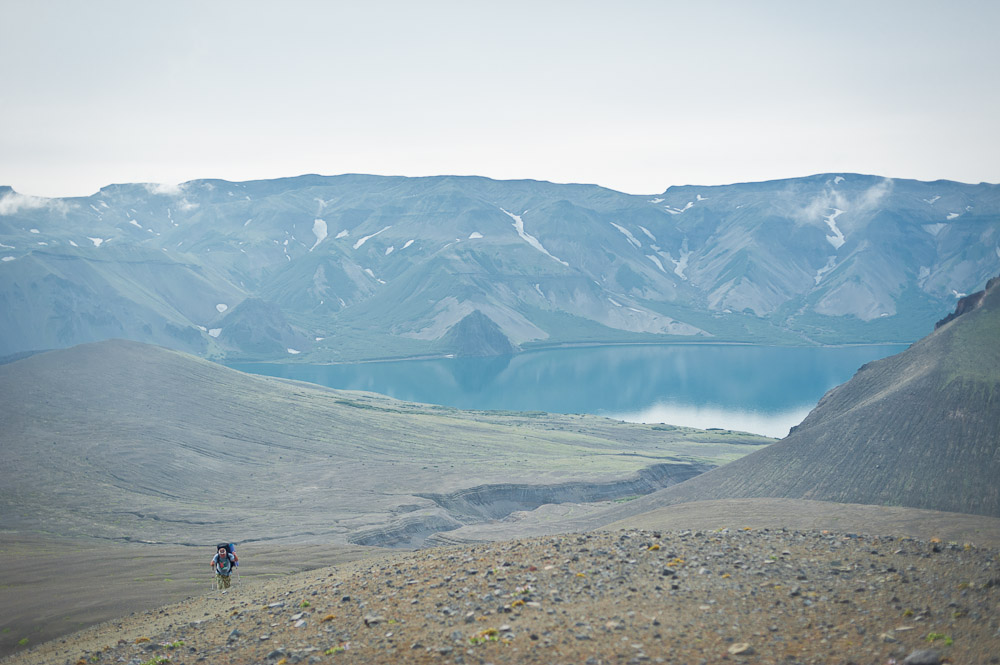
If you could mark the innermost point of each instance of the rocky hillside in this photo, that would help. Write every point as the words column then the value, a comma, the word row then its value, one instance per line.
column 350, row 267
column 919, row 429
column 734, row 595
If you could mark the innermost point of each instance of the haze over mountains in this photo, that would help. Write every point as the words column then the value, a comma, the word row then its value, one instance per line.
column 353, row 267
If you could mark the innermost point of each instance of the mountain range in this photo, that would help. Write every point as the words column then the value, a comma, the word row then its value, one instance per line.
column 352, row 267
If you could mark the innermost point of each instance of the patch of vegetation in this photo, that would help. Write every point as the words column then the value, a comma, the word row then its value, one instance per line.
column 934, row 637
column 156, row 660
column 626, row 499
column 483, row 636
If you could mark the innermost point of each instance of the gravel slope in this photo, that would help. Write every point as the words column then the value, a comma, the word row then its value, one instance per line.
column 733, row 595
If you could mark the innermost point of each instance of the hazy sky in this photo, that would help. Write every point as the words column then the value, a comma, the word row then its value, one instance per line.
column 635, row 96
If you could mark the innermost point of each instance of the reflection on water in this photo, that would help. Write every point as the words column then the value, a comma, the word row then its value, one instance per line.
column 752, row 388
column 774, row 424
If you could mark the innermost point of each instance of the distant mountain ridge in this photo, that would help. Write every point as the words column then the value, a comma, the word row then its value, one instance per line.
column 327, row 268
column 918, row 429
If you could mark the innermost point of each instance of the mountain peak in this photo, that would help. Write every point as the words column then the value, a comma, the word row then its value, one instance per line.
column 477, row 335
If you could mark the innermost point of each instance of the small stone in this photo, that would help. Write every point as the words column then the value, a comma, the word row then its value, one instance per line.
column 234, row 635
column 923, row 657
column 888, row 638
column 740, row 648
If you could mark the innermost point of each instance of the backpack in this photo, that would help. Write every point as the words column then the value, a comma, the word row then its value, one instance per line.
column 231, row 548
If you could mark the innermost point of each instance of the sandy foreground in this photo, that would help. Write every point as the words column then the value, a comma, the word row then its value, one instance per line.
column 741, row 595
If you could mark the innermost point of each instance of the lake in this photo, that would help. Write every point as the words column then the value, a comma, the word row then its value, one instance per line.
column 759, row 389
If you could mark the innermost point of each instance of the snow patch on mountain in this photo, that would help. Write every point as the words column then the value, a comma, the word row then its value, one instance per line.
column 656, row 261
column 221, row 307
column 953, row 215
column 214, row 332
column 681, row 263
column 934, row 229
column 390, row 249
column 648, row 234
column 837, row 239
column 677, row 211
column 342, row 234
column 831, row 263
column 628, row 234
column 931, row 200
column 530, row 239
column 408, row 243
column 97, row 241
column 320, row 231
column 655, row 201
column 7, row 258
column 362, row 241
column 474, row 235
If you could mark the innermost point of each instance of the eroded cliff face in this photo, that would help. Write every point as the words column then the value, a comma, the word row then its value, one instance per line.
column 969, row 303
column 497, row 501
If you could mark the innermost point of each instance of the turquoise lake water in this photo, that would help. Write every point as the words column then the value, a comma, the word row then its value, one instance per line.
column 758, row 389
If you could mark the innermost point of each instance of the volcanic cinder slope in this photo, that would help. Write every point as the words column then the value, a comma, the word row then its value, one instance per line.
column 131, row 442
column 918, row 429
column 141, row 451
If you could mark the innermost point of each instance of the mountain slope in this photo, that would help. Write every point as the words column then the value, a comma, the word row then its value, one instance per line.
column 386, row 266
column 128, row 442
column 918, row 429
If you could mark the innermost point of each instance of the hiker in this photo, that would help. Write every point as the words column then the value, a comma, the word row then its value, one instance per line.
column 223, row 563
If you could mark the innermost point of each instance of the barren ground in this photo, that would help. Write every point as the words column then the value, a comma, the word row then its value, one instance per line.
column 665, row 593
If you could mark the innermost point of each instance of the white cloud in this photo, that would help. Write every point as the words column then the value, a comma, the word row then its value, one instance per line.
column 12, row 203
column 164, row 189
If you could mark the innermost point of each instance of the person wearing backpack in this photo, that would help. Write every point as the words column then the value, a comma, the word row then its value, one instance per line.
column 223, row 563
